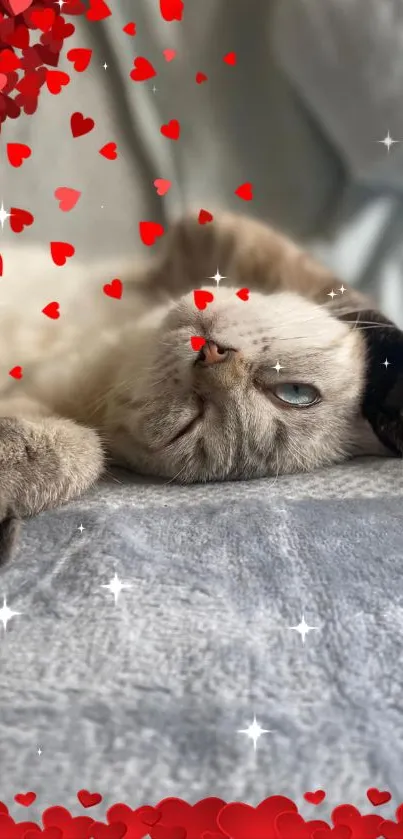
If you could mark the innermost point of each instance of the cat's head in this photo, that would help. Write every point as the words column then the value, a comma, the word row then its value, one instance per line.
column 281, row 385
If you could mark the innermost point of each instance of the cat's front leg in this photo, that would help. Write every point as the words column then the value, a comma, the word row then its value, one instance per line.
column 44, row 461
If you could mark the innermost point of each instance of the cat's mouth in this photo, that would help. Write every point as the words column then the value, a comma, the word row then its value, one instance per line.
column 193, row 423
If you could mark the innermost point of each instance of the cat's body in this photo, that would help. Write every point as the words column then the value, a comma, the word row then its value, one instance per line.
column 119, row 378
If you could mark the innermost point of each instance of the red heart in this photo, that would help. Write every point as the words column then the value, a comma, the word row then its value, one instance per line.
column 88, row 799
column 201, row 77
column 171, row 9
column 319, row 795
column 55, row 80
column 240, row 821
column 9, row 61
column 391, row 830
column 150, row 231
column 25, row 798
column 138, row 821
column 171, row 130
column 107, row 831
column 143, row 70
column 162, row 186
column 114, row 289
column 80, row 58
column 43, row 19
column 61, row 251
column 20, row 219
column 52, row 310
column 98, row 10
column 243, row 294
column 197, row 342
column 19, row 6
column 230, row 58
column 80, row 125
column 130, row 28
column 161, row 831
column 67, row 197
column 3, row 81
column 377, row 797
column 169, row 55
column 202, row 298
column 109, row 151
column 47, row 833
column 341, row 831
column 16, row 373
column 17, row 153
column 1, row 274
column 205, row 217
column 245, row 192
column 55, row 816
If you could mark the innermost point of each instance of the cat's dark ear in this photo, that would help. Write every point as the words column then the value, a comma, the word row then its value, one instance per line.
column 382, row 403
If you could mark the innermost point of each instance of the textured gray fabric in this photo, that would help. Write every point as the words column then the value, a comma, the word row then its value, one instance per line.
column 143, row 699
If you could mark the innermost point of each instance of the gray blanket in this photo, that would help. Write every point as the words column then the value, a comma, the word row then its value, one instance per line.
column 143, row 699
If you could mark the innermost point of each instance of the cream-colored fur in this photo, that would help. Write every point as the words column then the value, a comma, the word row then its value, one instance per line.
column 126, row 371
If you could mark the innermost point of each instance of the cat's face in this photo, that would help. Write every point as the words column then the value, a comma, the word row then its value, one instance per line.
column 285, row 397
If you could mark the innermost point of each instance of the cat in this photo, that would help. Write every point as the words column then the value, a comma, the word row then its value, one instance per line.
column 290, row 376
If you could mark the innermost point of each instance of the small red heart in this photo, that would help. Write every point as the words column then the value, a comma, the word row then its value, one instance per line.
column 197, row 342
column 162, row 186
column 19, row 6
column 98, row 10
column 171, row 9
column 202, row 298
column 319, row 795
column 3, row 81
column 150, row 231
column 52, row 310
column 81, row 125
column 80, row 58
column 205, row 217
column 201, row 77
column 67, row 197
column 245, row 192
column 56, row 80
column 17, row 153
column 20, row 219
column 130, row 29
column 56, row 816
column 89, row 799
column 109, row 151
column 61, row 251
column 16, row 373
column 377, row 797
column 143, row 70
column 43, row 19
column 114, row 289
column 9, row 61
column 25, row 798
column 169, row 55
column 171, row 130
column 230, row 58
column 243, row 294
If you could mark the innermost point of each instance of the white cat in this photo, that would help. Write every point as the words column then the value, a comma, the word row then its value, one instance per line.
column 286, row 380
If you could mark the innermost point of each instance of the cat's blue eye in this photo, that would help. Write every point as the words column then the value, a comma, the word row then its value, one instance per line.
column 298, row 395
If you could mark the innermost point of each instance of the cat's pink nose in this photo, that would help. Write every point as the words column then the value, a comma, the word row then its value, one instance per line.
column 212, row 353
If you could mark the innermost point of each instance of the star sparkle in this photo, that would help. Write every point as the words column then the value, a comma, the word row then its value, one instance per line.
column 332, row 294
column 4, row 215
column 81, row 528
column 39, row 751
column 303, row 628
column 6, row 614
column 217, row 277
column 254, row 731
column 342, row 289
column 386, row 363
column 388, row 141
column 105, row 66
column 277, row 367
column 154, row 89
column 115, row 586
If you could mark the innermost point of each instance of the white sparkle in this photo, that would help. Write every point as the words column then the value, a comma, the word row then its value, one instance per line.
column 39, row 751
column 217, row 277
column 388, row 141
column 303, row 628
column 342, row 289
column 60, row 3
column 6, row 614
column 254, row 731
column 105, row 66
column 81, row 528
column 116, row 586
column 332, row 294
column 4, row 215
column 386, row 363
column 154, row 89
column 277, row 367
